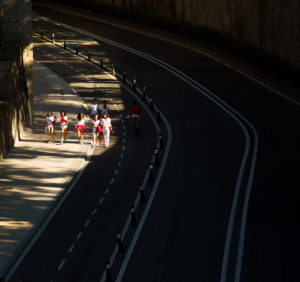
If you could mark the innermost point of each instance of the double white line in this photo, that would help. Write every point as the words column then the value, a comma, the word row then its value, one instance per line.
column 249, row 155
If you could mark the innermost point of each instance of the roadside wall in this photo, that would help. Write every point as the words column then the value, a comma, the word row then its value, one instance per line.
column 267, row 26
column 16, row 66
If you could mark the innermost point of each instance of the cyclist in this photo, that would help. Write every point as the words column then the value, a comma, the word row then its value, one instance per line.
column 135, row 113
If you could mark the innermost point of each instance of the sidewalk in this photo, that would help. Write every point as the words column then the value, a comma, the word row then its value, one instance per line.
column 34, row 174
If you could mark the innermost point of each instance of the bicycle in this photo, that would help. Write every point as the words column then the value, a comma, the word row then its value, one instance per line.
column 136, row 125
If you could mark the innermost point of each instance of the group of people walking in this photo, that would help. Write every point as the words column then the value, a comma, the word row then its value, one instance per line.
column 100, row 123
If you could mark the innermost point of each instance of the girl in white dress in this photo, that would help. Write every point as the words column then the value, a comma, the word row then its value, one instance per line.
column 107, row 128
column 80, row 127
column 95, row 123
column 50, row 120
column 63, row 118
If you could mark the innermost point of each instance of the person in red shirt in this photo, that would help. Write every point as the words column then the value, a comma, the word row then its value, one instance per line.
column 135, row 113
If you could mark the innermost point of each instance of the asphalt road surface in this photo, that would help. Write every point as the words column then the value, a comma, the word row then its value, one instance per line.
column 226, row 208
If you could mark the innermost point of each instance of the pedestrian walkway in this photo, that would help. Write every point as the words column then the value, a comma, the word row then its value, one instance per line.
column 34, row 174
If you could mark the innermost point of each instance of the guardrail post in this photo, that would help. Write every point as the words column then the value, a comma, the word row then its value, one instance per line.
column 133, row 219
column 134, row 85
column 142, row 194
column 151, row 177
column 65, row 43
column 89, row 55
column 161, row 143
column 42, row 35
column 76, row 50
column 113, row 70
column 124, row 76
column 53, row 38
column 158, row 115
column 120, row 243
column 156, row 160
column 144, row 93
column 108, row 274
column 101, row 61
column 151, row 104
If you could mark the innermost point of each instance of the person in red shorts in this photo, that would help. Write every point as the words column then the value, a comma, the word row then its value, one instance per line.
column 80, row 127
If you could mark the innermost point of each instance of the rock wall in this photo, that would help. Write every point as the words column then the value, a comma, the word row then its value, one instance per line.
column 271, row 26
column 16, row 66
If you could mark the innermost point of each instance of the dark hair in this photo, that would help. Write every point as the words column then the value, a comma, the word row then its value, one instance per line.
column 47, row 116
column 62, row 112
column 79, row 115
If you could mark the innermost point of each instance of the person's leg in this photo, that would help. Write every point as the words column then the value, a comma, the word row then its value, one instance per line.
column 62, row 135
column 49, row 134
column 65, row 134
column 105, row 135
column 79, row 134
column 94, row 138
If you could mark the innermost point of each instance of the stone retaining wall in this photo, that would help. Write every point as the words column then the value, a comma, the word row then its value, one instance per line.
column 265, row 28
column 15, row 99
column 16, row 66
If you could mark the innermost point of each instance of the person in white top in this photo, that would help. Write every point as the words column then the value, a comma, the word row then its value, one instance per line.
column 80, row 127
column 104, row 108
column 95, row 123
column 107, row 128
column 50, row 121
column 94, row 108
column 63, row 118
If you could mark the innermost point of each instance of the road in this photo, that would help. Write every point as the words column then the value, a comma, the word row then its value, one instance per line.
column 224, row 153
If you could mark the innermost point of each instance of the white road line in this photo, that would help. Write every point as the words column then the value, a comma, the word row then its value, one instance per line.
column 122, row 155
column 119, row 163
column 79, row 235
column 86, row 223
column 124, row 140
column 100, row 201
column 61, row 265
column 112, row 181
column 71, row 249
column 116, row 172
column 106, row 191
column 123, row 148
column 122, row 121
column 124, row 127
column 94, row 211
column 121, row 116
column 124, row 133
